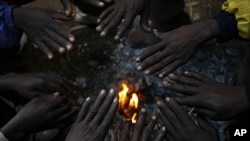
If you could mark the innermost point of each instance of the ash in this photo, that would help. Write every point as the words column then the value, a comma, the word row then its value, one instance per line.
column 218, row 62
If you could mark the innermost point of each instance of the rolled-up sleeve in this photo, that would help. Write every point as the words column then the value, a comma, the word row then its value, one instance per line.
column 241, row 10
column 9, row 35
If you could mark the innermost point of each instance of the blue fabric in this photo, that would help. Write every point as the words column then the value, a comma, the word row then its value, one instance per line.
column 228, row 26
column 9, row 35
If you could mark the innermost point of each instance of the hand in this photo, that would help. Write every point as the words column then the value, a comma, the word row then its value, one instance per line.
column 52, row 111
column 31, row 85
column 215, row 100
column 92, row 123
column 181, row 127
column 42, row 29
column 122, row 13
column 140, row 131
column 175, row 48
column 97, row 3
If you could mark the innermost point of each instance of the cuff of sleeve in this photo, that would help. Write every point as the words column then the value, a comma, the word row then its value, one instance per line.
column 2, row 137
column 228, row 26
column 9, row 19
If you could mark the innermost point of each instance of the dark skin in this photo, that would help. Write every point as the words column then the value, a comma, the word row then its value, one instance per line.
column 215, row 100
column 180, row 126
column 175, row 48
column 122, row 14
column 93, row 122
column 140, row 131
column 96, row 3
column 56, row 112
column 30, row 85
column 43, row 30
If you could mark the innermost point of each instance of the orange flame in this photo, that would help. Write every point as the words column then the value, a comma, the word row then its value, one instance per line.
column 128, row 103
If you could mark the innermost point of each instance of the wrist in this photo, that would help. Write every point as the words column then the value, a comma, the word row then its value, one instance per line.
column 12, row 132
column 209, row 29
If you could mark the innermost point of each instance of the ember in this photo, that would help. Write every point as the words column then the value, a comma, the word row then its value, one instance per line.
column 128, row 103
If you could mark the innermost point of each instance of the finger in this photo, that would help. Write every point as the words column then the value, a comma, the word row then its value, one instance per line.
column 42, row 46
column 58, row 101
column 103, row 15
column 93, row 110
column 112, row 135
column 51, row 43
column 63, row 32
column 184, row 80
column 139, row 125
column 60, row 16
column 161, row 134
column 149, row 52
column 65, row 108
column 108, row 119
column 149, row 128
column 124, row 25
column 67, row 117
column 67, row 7
column 170, row 138
column 104, row 108
column 179, row 112
column 114, row 22
column 83, row 111
column 181, row 88
column 107, row 1
column 96, row 3
column 166, row 123
column 144, row 18
column 197, row 76
column 108, row 23
column 59, row 77
column 206, row 112
column 57, row 39
column 125, row 131
column 169, row 114
column 171, row 67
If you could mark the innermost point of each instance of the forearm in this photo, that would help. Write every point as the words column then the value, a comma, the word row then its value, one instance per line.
column 12, row 133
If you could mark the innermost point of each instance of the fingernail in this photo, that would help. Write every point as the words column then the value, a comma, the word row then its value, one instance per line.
column 115, row 100
column 167, row 99
column 101, row 4
column 147, row 72
column 98, row 20
column 87, row 99
column 56, row 93
column 139, row 68
column 103, row 33
column 103, row 92
column 153, row 117
column 67, row 12
column 112, row 91
column 158, row 103
column 116, row 37
column 171, row 75
column 71, row 39
column 50, row 56
column 161, row 75
column 143, row 110
column 61, row 49
column 68, row 46
column 138, row 59
column 186, row 72
column 98, row 28
column 165, row 83
column 163, row 128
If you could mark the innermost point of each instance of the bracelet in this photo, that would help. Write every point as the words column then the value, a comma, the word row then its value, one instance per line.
column 2, row 137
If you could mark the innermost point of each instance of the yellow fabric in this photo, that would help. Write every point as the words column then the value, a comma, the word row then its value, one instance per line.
column 241, row 10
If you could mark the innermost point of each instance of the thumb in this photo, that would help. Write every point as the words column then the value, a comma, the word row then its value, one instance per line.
column 204, row 124
column 192, row 101
column 67, row 7
column 159, row 34
column 144, row 22
column 60, row 16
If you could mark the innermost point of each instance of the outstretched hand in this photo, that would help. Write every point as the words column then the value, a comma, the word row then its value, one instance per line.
column 42, row 113
column 215, row 100
column 175, row 48
column 181, row 127
column 122, row 14
column 42, row 29
column 141, row 131
column 93, row 122
column 31, row 85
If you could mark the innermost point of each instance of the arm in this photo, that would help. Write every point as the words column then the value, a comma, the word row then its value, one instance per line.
column 8, row 32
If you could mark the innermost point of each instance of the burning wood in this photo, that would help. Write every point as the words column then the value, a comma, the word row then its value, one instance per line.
column 128, row 103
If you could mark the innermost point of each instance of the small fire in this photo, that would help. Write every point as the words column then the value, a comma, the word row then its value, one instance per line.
column 128, row 103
